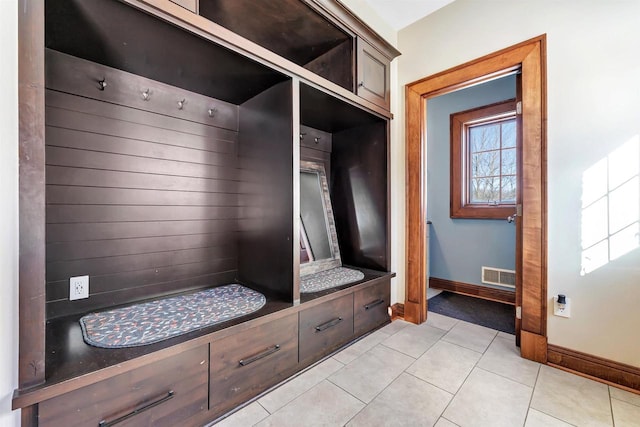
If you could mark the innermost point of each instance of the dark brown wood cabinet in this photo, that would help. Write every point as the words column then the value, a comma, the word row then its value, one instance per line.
column 370, row 307
column 163, row 393
column 245, row 364
column 160, row 154
column 373, row 74
column 325, row 327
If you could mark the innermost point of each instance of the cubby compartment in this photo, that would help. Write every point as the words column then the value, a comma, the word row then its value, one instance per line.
column 168, row 169
column 292, row 29
column 351, row 145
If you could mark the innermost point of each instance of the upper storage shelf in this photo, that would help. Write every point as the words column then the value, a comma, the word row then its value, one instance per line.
column 322, row 37
column 114, row 34
column 291, row 29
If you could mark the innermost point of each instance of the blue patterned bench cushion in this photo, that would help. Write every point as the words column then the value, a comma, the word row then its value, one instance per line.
column 154, row 321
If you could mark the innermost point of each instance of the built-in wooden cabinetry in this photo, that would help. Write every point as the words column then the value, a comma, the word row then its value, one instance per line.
column 373, row 74
column 160, row 151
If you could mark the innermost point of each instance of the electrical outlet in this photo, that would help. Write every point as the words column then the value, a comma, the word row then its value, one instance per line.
column 561, row 311
column 78, row 287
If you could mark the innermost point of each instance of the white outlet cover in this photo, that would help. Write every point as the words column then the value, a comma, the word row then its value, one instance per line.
column 78, row 287
column 562, row 312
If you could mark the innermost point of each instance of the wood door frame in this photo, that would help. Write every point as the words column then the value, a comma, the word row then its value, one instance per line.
column 530, row 58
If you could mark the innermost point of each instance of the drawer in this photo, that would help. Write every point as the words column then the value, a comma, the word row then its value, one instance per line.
column 163, row 393
column 245, row 364
column 370, row 307
column 325, row 327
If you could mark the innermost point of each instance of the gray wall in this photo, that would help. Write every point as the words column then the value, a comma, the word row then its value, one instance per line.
column 459, row 247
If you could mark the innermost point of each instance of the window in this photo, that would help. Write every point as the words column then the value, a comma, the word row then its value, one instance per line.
column 484, row 162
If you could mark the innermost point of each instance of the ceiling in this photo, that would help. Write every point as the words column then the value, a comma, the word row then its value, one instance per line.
column 401, row 13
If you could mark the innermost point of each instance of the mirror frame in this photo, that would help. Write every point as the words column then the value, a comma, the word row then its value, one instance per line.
column 316, row 266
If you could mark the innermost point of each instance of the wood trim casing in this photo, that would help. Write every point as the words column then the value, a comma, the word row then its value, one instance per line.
column 529, row 58
column 397, row 311
column 415, row 238
column 31, row 369
column 483, row 292
column 594, row 367
column 533, row 346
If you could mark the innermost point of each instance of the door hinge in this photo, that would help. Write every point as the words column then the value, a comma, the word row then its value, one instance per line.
column 519, row 209
column 519, row 107
column 518, row 312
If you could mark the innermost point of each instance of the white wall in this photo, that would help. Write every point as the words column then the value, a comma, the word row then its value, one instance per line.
column 8, row 209
column 593, row 108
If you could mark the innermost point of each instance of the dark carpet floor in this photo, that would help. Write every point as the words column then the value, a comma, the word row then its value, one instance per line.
column 491, row 314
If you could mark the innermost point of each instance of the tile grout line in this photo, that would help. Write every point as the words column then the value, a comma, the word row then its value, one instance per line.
column 381, row 391
column 542, row 412
column 374, row 397
column 290, row 380
column 624, row 401
column 457, row 425
column 459, row 346
column 347, row 391
column 408, row 355
column 266, row 410
column 510, row 379
column 533, row 390
column 613, row 418
column 459, row 388
column 431, row 384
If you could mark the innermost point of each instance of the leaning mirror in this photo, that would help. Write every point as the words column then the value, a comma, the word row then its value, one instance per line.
column 318, row 242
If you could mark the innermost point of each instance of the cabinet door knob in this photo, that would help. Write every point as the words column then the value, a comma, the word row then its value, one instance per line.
column 361, row 84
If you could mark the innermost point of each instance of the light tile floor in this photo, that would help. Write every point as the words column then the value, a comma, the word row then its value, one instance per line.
column 443, row 373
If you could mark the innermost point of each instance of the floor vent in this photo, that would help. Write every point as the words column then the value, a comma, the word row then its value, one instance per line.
column 499, row 276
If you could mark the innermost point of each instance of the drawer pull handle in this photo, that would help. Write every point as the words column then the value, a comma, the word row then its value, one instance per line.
column 105, row 423
column 329, row 324
column 267, row 352
column 373, row 304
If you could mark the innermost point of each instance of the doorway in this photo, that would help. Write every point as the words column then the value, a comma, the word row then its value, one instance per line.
column 471, row 183
column 529, row 58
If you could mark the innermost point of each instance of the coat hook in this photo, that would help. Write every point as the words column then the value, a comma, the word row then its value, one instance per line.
column 181, row 104
column 145, row 94
column 212, row 111
column 102, row 83
column 316, row 139
column 302, row 136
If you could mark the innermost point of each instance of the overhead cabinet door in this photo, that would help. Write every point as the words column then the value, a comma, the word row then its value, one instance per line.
column 373, row 74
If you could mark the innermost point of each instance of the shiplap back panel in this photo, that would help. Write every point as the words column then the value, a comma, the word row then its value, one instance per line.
column 144, row 203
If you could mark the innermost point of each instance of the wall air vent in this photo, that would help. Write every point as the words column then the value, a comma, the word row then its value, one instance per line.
column 499, row 276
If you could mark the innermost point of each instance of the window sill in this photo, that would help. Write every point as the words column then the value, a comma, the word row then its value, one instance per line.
column 482, row 212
